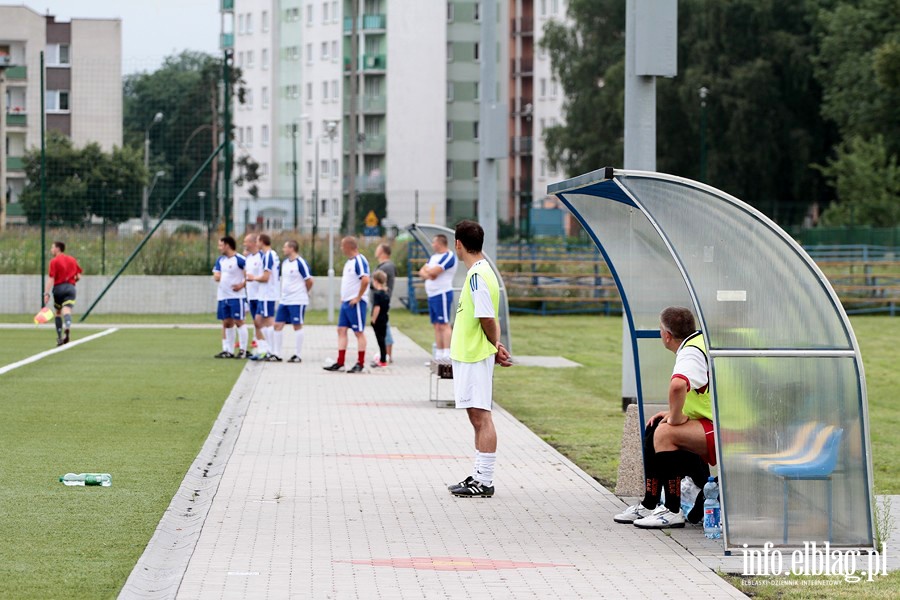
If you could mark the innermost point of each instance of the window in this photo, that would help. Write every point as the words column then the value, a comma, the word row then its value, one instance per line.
column 323, row 168
column 334, row 51
column 325, row 91
column 263, row 170
column 475, row 129
column 334, row 12
column 309, row 134
column 265, row 97
column 309, row 170
column 64, row 54
column 324, row 50
column 240, row 59
column 309, row 54
column 309, row 14
column 554, row 6
column 543, row 8
column 241, row 25
column 324, row 209
column 240, row 135
column 248, row 98
column 309, row 92
column 477, row 15
column 449, row 169
column 248, row 136
column 475, row 169
column 57, row 55
column 542, row 127
column 450, row 12
column 264, row 21
column 264, row 134
column 476, row 51
column 554, row 86
column 543, row 88
column 292, row 91
column 249, row 23
column 324, row 13
column 449, row 91
column 449, row 51
column 292, row 14
column 56, row 101
column 334, row 168
column 477, row 95
column 449, row 130
column 265, row 58
column 249, row 59
column 334, row 90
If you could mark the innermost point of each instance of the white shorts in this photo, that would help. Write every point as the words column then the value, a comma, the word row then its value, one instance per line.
column 473, row 383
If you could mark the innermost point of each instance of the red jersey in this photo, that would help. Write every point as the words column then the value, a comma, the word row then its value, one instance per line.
column 64, row 269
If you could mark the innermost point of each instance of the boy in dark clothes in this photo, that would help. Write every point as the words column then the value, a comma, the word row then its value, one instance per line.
column 381, row 304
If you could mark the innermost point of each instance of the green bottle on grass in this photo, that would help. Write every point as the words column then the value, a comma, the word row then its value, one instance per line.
column 103, row 479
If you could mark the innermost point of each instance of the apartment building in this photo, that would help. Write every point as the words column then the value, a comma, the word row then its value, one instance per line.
column 417, row 112
column 83, row 99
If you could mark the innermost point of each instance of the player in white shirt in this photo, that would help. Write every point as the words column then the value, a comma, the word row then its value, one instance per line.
column 229, row 273
column 296, row 281
column 264, row 277
column 438, row 275
column 354, row 283
column 253, row 270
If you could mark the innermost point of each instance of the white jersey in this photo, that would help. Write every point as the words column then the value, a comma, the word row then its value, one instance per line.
column 232, row 270
column 254, row 267
column 294, row 274
column 354, row 270
column 270, row 290
column 690, row 365
column 443, row 283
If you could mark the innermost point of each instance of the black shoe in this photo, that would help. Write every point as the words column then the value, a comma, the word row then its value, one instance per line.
column 59, row 341
column 240, row 354
column 224, row 354
column 464, row 483
column 357, row 368
column 273, row 358
column 66, row 339
column 335, row 367
column 474, row 490
column 295, row 359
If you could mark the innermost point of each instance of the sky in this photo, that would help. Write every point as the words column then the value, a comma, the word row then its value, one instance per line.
column 151, row 29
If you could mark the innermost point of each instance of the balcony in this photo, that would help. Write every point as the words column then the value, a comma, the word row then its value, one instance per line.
column 15, row 163
column 521, row 145
column 522, row 67
column 523, row 26
column 374, row 62
column 227, row 5
column 373, row 144
column 16, row 120
column 368, row 104
column 521, row 106
column 18, row 72
column 226, row 41
column 523, row 187
column 367, row 183
column 368, row 23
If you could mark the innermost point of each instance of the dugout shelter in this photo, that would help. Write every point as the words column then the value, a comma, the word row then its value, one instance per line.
column 786, row 376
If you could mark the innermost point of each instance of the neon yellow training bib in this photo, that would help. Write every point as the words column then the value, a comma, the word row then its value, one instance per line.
column 468, row 342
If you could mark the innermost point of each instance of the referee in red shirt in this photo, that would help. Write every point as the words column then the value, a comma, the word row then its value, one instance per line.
column 64, row 272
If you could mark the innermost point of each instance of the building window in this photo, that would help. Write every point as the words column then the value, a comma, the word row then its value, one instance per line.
column 291, row 91
column 449, row 130
column 249, row 23
column 475, row 129
column 334, row 51
column 56, row 101
column 449, row 91
column 543, row 88
column 241, row 25
column 265, row 97
column 325, row 91
column 309, row 14
column 264, row 134
column 542, row 127
column 265, row 58
column 554, row 86
column 554, row 6
column 449, row 169
column 248, row 137
column 543, row 8
column 240, row 59
column 476, row 51
column 309, row 133
column 249, row 59
column 477, row 95
column 264, row 22
column 334, row 90
column 334, row 168
column 248, row 98
column 240, row 135
column 263, row 170
column 323, row 168
column 309, row 92
column 324, row 207
column 477, row 15
column 309, row 170
column 450, row 12
column 449, row 51
column 334, row 12
column 324, row 50
column 57, row 55
column 309, row 54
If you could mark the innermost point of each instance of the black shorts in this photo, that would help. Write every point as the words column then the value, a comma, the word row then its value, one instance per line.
column 63, row 295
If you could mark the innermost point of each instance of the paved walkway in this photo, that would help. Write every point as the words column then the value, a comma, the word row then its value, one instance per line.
column 336, row 488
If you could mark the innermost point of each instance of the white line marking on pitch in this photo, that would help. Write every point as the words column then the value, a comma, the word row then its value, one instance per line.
column 56, row 350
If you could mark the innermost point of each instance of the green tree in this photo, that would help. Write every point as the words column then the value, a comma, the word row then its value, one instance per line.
column 764, row 127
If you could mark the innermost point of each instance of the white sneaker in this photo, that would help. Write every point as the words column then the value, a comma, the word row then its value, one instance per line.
column 661, row 518
column 632, row 514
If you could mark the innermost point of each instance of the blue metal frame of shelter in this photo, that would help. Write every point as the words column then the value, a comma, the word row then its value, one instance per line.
column 606, row 184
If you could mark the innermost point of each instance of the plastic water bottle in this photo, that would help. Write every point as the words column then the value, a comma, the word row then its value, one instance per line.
column 712, row 523
column 102, row 479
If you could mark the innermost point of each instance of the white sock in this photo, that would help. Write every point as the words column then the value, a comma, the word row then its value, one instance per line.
column 276, row 342
column 477, row 462
column 444, row 352
column 229, row 340
column 261, row 346
column 269, row 334
column 484, row 467
column 298, row 341
column 243, row 337
column 225, row 347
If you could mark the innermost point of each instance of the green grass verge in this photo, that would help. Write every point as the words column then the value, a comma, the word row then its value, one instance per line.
column 22, row 343
column 142, row 416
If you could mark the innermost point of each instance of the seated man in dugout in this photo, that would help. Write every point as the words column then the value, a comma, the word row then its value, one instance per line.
column 679, row 441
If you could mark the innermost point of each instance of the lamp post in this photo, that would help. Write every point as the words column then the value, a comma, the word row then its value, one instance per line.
column 294, row 174
column 331, row 127
column 145, row 199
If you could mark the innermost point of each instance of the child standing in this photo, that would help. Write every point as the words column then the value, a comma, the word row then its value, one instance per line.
column 381, row 304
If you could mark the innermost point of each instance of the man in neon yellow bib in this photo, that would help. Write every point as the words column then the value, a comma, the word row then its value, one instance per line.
column 474, row 350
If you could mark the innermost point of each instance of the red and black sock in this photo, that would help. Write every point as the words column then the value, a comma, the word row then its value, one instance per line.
column 670, row 466
column 362, row 357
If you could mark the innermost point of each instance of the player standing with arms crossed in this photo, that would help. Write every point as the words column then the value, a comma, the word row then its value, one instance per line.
column 296, row 281
column 229, row 273
column 354, row 283
column 438, row 275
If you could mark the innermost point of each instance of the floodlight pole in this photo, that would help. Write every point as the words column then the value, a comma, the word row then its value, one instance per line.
column 332, row 133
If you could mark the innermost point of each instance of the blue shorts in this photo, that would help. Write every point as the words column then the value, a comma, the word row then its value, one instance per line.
column 388, row 338
column 291, row 313
column 262, row 308
column 353, row 317
column 439, row 307
column 232, row 308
